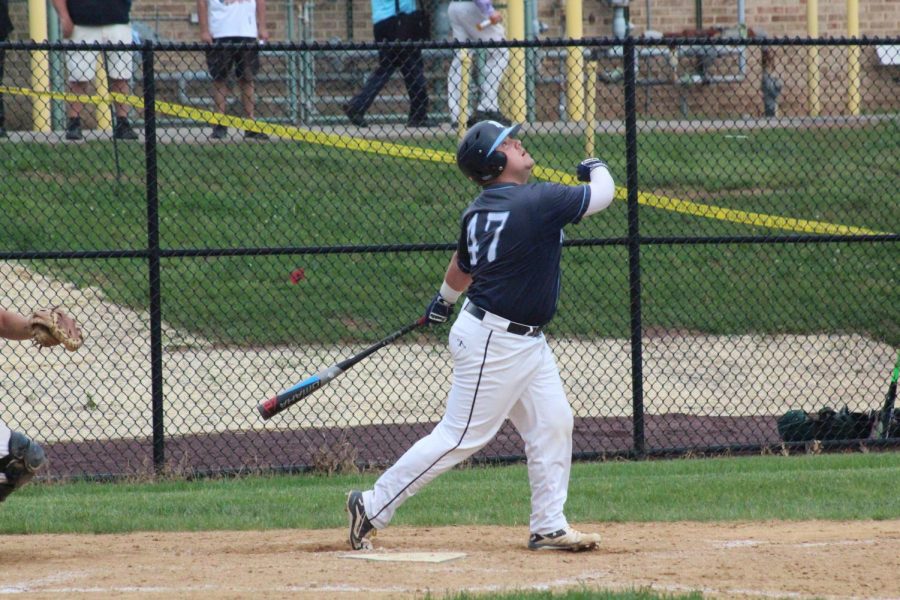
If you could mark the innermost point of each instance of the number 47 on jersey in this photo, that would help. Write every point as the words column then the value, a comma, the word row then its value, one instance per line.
column 492, row 224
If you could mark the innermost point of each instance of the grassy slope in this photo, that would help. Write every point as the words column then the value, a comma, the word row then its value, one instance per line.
column 282, row 194
column 840, row 486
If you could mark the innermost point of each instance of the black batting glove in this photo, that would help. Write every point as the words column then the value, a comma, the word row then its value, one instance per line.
column 586, row 166
column 439, row 310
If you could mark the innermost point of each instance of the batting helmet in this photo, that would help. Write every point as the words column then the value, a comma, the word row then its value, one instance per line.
column 477, row 156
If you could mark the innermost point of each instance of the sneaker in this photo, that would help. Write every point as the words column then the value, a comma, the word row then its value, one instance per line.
column 73, row 129
column 356, row 118
column 360, row 527
column 219, row 132
column 488, row 115
column 255, row 135
column 564, row 539
column 123, row 130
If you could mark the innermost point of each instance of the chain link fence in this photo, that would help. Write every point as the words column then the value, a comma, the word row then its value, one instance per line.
column 740, row 295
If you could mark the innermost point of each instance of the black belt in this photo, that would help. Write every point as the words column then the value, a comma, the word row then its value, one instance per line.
column 516, row 328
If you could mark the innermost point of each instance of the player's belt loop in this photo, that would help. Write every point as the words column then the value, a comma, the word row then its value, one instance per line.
column 511, row 327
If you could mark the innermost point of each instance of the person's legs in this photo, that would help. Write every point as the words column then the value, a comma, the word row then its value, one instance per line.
column 248, row 90
column 494, row 66
column 79, row 88
column 246, row 66
column 413, row 69
column 219, row 61
column 120, row 86
column 118, row 64
column 544, row 419
column 387, row 61
column 81, row 66
column 491, row 371
column 463, row 22
column 220, row 95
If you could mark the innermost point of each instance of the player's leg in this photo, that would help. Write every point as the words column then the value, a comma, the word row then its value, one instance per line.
column 20, row 458
column 544, row 419
column 491, row 370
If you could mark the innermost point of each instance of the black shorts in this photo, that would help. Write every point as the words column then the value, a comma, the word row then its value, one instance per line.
column 244, row 60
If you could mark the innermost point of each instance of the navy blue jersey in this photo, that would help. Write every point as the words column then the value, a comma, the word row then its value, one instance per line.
column 511, row 241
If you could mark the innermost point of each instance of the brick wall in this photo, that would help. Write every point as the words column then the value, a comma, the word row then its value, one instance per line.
column 171, row 18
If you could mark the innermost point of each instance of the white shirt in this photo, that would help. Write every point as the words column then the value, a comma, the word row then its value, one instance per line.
column 232, row 18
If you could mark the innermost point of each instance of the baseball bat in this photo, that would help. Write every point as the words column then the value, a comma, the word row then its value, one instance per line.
column 887, row 412
column 293, row 394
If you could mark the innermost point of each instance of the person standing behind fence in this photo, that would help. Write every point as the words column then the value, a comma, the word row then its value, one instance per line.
column 233, row 22
column 6, row 28
column 396, row 20
column 106, row 21
column 477, row 21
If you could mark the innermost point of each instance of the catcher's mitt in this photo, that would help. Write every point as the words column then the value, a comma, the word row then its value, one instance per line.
column 52, row 326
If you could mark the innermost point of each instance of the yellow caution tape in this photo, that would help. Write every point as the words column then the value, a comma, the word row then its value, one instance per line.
column 403, row 151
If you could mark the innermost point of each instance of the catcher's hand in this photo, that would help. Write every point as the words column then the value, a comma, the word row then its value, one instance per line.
column 52, row 326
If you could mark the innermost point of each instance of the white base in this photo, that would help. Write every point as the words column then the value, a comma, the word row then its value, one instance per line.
column 425, row 557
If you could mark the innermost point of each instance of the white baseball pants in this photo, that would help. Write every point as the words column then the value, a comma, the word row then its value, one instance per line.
column 464, row 20
column 497, row 375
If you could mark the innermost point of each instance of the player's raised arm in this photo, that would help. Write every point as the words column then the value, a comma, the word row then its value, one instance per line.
column 595, row 172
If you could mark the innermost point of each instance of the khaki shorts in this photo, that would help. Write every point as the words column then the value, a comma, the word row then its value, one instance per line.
column 82, row 64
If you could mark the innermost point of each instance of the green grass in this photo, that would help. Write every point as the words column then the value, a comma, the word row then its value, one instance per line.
column 836, row 486
column 290, row 194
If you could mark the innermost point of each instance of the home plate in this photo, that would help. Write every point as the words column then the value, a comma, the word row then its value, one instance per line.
column 425, row 557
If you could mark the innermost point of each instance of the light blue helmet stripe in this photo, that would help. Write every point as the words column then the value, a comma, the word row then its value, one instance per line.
column 511, row 130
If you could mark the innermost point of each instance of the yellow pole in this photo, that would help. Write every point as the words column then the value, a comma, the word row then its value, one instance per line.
column 466, row 58
column 853, row 96
column 514, row 105
column 591, row 108
column 40, row 65
column 574, row 61
column 812, row 58
column 101, row 84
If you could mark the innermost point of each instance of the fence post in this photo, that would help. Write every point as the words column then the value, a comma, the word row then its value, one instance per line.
column 156, row 380
column 634, row 244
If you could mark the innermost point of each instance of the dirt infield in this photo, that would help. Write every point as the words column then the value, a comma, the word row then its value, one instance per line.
column 825, row 559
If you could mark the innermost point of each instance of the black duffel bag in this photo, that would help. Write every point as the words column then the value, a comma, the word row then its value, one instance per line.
column 827, row 424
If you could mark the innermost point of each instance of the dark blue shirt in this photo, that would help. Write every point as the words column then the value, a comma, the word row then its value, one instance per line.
column 97, row 13
column 511, row 242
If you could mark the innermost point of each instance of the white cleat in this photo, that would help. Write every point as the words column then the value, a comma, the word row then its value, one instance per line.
column 564, row 539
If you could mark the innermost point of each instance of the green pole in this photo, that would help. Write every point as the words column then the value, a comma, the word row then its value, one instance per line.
column 291, row 65
column 57, row 110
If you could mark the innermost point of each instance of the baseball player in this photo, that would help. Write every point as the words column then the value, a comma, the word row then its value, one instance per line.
column 21, row 457
column 507, row 262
